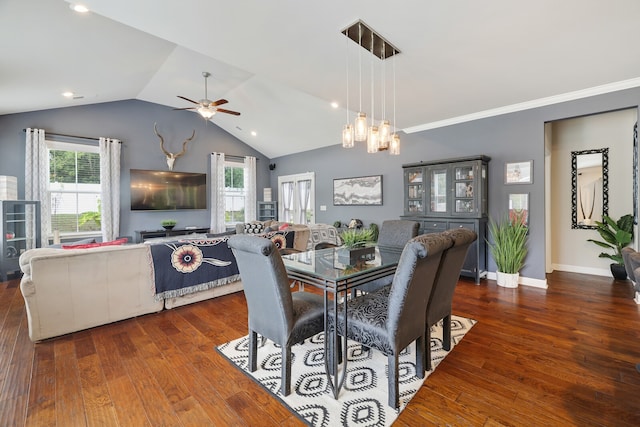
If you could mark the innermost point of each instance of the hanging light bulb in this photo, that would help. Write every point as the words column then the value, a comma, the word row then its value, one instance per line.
column 394, row 148
column 372, row 140
column 361, row 121
column 384, row 130
column 347, row 131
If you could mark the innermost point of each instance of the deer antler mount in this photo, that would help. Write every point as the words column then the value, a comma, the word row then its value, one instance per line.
column 171, row 157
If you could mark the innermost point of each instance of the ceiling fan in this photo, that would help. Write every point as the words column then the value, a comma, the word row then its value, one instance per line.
column 205, row 107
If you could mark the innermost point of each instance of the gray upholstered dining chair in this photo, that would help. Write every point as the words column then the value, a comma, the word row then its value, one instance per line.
column 394, row 234
column 440, row 303
column 392, row 317
column 631, row 259
column 275, row 312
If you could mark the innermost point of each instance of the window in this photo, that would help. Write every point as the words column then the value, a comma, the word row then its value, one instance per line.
column 296, row 198
column 235, row 194
column 74, row 188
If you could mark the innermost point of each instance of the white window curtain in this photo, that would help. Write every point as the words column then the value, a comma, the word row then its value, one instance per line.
column 287, row 201
column 36, row 180
column 304, row 189
column 217, row 193
column 110, row 187
column 250, row 188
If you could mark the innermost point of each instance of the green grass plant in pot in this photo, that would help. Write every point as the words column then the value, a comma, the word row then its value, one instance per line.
column 616, row 235
column 508, row 247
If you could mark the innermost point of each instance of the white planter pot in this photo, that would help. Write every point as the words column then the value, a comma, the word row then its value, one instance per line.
column 507, row 280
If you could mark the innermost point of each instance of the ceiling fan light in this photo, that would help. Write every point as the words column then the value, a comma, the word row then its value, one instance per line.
column 361, row 127
column 206, row 112
column 347, row 136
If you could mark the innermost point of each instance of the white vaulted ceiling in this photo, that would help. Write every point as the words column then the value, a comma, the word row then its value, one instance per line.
column 281, row 62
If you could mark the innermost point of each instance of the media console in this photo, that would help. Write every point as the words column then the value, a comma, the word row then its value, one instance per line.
column 142, row 235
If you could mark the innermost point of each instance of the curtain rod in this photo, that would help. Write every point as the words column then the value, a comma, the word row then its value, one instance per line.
column 90, row 138
column 234, row 157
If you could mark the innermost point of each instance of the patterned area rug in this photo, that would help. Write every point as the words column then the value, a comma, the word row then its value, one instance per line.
column 363, row 398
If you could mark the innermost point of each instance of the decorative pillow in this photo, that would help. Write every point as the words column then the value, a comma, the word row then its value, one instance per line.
column 97, row 245
column 253, row 228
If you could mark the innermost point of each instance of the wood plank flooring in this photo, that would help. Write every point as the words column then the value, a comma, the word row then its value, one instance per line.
column 556, row 357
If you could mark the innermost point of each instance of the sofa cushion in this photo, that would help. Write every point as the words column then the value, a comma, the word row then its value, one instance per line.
column 77, row 242
column 116, row 242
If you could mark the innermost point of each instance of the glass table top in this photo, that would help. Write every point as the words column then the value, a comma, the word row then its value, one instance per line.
column 328, row 264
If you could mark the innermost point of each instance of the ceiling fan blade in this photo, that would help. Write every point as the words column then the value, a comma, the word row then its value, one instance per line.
column 187, row 99
column 219, row 102
column 187, row 108
column 222, row 110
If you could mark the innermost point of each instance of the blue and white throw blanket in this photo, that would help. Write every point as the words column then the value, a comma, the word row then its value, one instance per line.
column 186, row 266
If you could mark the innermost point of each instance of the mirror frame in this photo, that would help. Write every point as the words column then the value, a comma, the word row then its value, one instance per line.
column 574, row 185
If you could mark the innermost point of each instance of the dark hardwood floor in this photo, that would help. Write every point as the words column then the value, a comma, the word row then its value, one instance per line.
column 561, row 356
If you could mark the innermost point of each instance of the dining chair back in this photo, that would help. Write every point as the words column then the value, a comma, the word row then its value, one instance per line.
column 274, row 312
column 394, row 234
column 440, row 303
column 393, row 317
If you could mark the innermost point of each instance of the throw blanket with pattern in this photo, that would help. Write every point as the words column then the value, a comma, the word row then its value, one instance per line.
column 186, row 266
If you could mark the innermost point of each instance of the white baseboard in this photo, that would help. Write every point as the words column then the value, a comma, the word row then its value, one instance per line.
column 526, row 281
column 582, row 269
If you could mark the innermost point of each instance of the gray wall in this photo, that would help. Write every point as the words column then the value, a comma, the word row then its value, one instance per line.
column 510, row 137
column 132, row 122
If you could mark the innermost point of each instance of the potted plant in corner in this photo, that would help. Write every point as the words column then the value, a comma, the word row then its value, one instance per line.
column 508, row 246
column 353, row 248
column 616, row 235
column 168, row 224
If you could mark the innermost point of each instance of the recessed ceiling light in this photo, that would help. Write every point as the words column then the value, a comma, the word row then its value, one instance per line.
column 334, row 104
column 79, row 8
column 254, row 133
column 67, row 94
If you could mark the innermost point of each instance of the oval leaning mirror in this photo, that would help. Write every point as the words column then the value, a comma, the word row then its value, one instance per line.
column 589, row 187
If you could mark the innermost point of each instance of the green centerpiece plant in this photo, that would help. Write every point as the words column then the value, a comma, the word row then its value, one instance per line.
column 616, row 235
column 354, row 250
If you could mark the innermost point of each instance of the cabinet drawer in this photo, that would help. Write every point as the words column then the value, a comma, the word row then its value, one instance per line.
column 433, row 226
column 461, row 224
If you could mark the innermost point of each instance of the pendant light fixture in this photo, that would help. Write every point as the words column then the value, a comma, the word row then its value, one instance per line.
column 361, row 121
column 394, row 143
column 380, row 137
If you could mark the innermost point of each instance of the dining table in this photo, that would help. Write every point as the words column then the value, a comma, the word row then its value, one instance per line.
column 326, row 269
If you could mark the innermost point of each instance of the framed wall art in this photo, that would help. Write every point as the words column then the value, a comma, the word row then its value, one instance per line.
column 518, row 172
column 358, row 191
column 519, row 207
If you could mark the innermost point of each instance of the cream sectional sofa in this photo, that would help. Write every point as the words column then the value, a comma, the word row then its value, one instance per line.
column 68, row 290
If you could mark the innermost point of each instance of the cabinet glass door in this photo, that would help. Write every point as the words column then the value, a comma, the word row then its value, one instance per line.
column 464, row 189
column 415, row 194
column 438, row 190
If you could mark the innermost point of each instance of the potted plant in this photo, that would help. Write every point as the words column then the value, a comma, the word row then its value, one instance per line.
column 168, row 224
column 354, row 249
column 616, row 235
column 508, row 246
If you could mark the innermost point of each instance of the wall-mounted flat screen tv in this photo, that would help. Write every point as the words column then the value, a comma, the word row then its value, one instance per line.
column 167, row 190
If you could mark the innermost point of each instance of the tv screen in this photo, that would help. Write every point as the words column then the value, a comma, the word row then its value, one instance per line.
column 166, row 190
